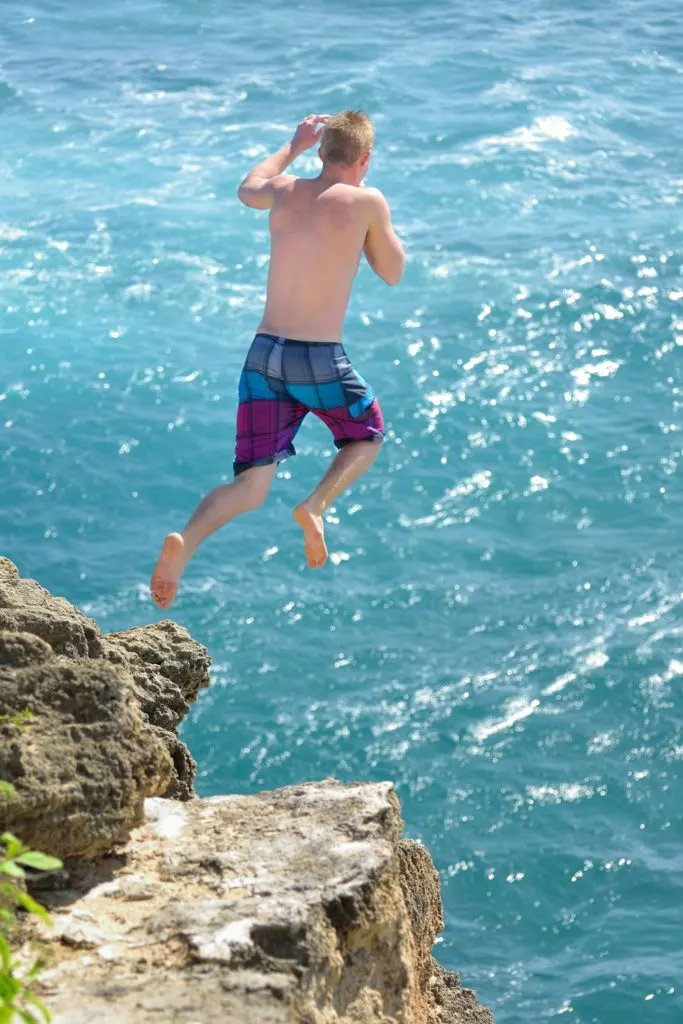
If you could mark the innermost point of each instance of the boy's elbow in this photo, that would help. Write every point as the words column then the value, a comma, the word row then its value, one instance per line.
column 389, row 268
column 249, row 193
column 395, row 275
column 254, row 196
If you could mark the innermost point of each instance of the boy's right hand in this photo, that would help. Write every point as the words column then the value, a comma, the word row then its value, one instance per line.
column 309, row 131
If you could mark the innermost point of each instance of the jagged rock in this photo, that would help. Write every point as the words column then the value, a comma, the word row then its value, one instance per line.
column 26, row 607
column 161, row 667
column 83, row 762
column 422, row 896
column 168, row 666
column 301, row 905
column 168, row 669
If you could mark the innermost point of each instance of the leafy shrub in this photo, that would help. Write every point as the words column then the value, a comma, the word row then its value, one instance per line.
column 18, row 1001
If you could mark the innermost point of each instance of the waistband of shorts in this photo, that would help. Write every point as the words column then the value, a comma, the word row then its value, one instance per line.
column 279, row 339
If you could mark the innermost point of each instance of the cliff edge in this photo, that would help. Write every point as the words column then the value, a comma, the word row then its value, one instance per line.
column 302, row 905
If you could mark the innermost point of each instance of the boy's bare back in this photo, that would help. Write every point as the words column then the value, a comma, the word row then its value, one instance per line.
column 319, row 229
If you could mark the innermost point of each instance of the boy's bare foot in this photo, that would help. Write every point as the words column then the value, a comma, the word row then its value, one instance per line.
column 168, row 570
column 314, row 536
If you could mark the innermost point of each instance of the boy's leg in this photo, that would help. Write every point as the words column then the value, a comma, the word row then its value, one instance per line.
column 352, row 461
column 246, row 492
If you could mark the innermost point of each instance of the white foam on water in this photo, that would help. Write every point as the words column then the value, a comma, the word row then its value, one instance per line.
column 553, row 128
column 518, row 710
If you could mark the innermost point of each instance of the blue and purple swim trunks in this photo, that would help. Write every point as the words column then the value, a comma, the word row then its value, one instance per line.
column 284, row 380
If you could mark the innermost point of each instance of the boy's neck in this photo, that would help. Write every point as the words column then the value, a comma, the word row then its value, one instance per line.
column 338, row 174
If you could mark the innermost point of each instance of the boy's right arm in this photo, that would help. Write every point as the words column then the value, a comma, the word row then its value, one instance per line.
column 260, row 185
column 383, row 249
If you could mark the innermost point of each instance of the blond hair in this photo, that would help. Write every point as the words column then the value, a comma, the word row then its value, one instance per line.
column 347, row 136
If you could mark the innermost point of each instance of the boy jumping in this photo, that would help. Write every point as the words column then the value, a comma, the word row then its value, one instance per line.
column 297, row 364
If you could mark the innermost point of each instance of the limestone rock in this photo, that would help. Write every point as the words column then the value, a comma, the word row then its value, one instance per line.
column 301, row 905
column 168, row 669
column 161, row 665
column 26, row 607
column 84, row 760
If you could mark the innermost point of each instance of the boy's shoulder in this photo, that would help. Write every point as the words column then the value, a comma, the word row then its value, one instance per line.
column 376, row 204
column 375, row 196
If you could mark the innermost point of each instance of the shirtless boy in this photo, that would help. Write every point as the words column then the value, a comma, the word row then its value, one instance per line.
column 297, row 364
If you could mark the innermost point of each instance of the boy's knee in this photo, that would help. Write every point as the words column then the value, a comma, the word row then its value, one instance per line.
column 256, row 499
column 254, row 494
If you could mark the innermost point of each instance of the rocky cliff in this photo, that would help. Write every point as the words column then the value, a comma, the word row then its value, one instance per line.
column 303, row 905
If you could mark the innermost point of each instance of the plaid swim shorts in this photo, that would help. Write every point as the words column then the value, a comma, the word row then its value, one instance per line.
column 282, row 382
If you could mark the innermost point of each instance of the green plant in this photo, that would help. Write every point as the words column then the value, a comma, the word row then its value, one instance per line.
column 18, row 1001
column 20, row 719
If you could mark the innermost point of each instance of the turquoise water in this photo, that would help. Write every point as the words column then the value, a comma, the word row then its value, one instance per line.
column 499, row 631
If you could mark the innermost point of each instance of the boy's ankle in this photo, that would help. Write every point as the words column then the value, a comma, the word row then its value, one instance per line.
column 312, row 507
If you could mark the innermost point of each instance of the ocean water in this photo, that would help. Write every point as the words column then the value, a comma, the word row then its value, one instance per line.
column 499, row 629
